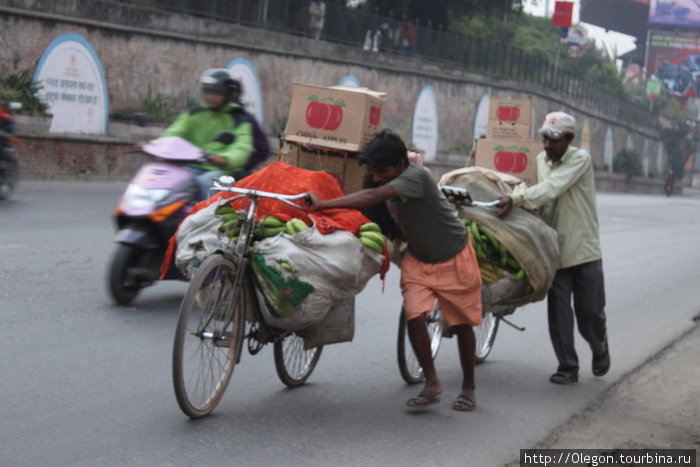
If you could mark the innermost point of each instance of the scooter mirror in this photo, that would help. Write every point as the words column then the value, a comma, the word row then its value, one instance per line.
column 224, row 137
column 225, row 181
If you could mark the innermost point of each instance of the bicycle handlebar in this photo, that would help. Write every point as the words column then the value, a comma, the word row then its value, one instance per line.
column 460, row 195
column 225, row 183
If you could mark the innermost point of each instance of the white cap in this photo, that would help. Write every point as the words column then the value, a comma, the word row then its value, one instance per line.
column 557, row 124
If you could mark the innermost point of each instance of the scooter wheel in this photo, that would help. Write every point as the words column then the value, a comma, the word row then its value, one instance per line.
column 9, row 171
column 124, row 257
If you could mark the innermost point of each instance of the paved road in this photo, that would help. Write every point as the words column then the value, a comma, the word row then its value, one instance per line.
column 87, row 383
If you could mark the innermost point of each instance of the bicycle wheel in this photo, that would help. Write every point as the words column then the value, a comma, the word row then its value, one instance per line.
column 294, row 364
column 409, row 367
column 485, row 335
column 207, row 346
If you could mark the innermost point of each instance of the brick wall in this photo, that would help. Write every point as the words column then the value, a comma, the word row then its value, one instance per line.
column 52, row 158
column 168, row 61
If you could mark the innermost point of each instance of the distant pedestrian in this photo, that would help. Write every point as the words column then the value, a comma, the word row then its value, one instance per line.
column 386, row 37
column 368, row 41
column 408, row 39
column 317, row 16
column 670, row 183
column 377, row 40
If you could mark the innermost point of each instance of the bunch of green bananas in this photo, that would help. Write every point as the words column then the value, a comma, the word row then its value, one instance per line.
column 269, row 226
column 294, row 226
column 490, row 272
column 230, row 226
column 371, row 236
column 490, row 251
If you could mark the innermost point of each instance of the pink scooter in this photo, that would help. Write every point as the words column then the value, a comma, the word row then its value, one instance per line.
column 159, row 196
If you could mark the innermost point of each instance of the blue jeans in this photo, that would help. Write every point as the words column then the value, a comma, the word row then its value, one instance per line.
column 204, row 180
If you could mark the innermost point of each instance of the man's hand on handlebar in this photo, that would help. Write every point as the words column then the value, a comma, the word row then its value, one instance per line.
column 506, row 204
column 312, row 201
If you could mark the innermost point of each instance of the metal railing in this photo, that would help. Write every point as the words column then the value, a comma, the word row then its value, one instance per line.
column 355, row 28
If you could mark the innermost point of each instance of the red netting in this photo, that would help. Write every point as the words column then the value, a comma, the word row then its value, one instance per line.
column 286, row 179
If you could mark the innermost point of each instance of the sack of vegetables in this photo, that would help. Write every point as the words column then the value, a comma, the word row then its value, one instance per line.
column 519, row 255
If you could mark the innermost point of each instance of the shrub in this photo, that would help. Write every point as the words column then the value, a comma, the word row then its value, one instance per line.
column 627, row 162
column 19, row 87
column 157, row 108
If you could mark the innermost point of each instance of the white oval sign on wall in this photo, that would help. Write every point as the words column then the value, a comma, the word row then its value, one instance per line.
column 73, row 86
column 481, row 117
column 251, row 97
column 646, row 156
column 609, row 149
column 350, row 80
column 586, row 136
column 424, row 133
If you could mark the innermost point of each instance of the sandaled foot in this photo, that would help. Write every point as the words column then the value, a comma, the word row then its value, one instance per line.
column 601, row 364
column 465, row 402
column 563, row 378
column 424, row 399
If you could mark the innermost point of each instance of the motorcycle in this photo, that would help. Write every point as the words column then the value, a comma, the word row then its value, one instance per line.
column 147, row 215
column 669, row 185
column 9, row 162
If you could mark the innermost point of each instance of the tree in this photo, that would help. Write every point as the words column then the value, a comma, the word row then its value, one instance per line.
column 680, row 140
column 438, row 12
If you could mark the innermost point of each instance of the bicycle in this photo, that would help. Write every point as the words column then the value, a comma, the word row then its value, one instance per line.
column 220, row 303
column 485, row 333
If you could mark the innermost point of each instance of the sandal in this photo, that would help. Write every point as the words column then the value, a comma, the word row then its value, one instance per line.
column 563, row 378
column 601, row 364
column 422, row 400
column 464, row 402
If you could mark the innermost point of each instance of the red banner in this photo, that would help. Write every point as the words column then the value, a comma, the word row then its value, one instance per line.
column 563, row 12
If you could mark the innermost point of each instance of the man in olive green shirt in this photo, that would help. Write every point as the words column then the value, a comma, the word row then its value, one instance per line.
column 565, row 193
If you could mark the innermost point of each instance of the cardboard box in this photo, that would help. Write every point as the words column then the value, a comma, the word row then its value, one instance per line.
column 339, row 117
column 509, row 119
column 516, row 158
column 344, row 166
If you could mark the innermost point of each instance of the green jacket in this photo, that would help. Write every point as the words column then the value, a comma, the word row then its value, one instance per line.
column 201, row 125
column 566, row 191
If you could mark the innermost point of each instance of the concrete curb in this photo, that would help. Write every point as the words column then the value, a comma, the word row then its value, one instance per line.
column 654, row 406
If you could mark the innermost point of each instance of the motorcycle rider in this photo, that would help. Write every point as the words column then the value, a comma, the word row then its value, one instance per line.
column 201, row 125
column 9, row 167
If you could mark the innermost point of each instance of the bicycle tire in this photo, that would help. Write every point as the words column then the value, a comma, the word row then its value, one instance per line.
column 204, row 357
column 410, row 369
column 294, row 365
column 485, row 335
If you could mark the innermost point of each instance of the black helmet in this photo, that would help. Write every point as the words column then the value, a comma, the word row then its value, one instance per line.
column 219, row 80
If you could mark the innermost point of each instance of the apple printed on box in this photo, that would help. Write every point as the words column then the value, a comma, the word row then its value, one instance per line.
column 337, row 117
column 518, row 158
column 512, row 159
column 509, row 119
column 507, row 113
column 325, row 113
